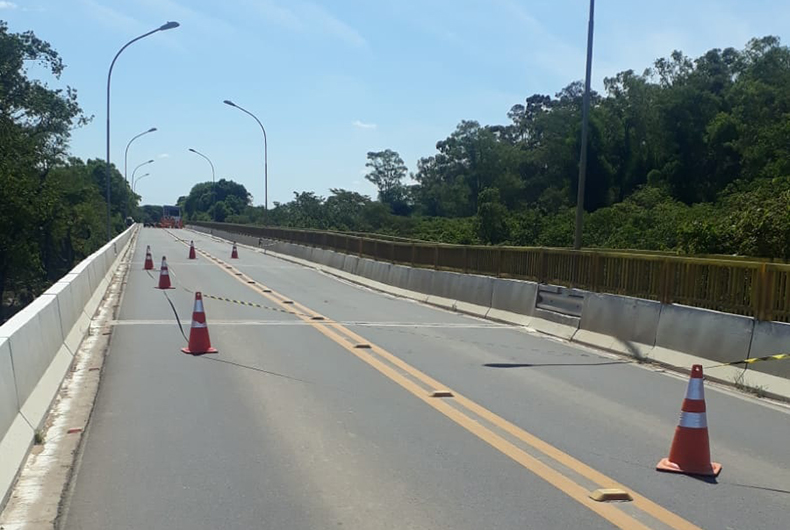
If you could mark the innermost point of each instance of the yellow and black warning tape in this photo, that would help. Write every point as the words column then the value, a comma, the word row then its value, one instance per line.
column 778, row 357
column 253, row 304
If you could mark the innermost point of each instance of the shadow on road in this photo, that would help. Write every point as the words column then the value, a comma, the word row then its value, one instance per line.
column 764, row 488
column 255, row 369
column 538, row 365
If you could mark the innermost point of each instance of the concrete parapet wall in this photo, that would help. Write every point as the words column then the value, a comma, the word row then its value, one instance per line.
column 37, row 347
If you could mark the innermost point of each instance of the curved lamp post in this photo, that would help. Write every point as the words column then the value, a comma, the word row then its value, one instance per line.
column 126, row 152
column 138, row 167
column 141, row 177
column 164, row 27
column 213, row 182
column 265, row 155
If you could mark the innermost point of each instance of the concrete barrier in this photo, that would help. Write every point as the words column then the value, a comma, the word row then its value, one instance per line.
column 473, row 294
column 350, row 264
column 554, row 324
column 420, row 280
column 619, row 323
column 378, row 271
column 441, row 289
column 335, row 260
column 709, row 334
column 513, row 301
column 16, row 434
column 73, row 292
column 771, row 338
column 442, row 283
column 34, row 336
column 364, row 267
column 9, row 403
column 36, row 351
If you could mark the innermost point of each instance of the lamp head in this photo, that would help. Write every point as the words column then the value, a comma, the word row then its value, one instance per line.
column 169, row 25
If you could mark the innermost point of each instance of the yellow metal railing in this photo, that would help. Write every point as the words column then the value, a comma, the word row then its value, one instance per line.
column 755, row 288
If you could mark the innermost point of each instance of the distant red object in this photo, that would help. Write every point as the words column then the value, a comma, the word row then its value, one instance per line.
column 171, row 217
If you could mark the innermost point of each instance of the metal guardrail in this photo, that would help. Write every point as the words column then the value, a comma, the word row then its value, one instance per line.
column 754, row 288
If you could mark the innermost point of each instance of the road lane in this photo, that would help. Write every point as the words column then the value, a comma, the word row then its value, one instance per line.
column 619, row 418
column 183, row 442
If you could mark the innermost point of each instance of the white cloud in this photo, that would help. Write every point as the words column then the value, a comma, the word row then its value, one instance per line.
column 8, row 5
column 362, row 125
column 111, row 17
column 308, row 17
column 163, row 155
column 332, row 25
column 197, row 21
column 281, row 16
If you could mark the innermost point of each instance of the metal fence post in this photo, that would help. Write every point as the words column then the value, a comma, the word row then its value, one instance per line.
column 596, row 271
column 542, row 266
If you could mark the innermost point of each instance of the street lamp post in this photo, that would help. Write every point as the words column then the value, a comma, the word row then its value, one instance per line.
column 141, row 177
column 164, row 27
column 213, row 182
column 138, row 167
column 126, row 152
column 265, row 155
column 577, row 236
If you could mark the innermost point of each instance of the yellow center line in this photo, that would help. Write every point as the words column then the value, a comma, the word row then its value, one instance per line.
column 341, row 335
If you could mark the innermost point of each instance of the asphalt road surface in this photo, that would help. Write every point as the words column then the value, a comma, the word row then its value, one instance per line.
column 291, row 426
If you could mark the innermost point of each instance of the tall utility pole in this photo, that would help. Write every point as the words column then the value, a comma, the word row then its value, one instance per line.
column 577, row 237
column 265, row 155
column 163, row 27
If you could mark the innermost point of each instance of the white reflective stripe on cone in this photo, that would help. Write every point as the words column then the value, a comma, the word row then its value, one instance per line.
column 198, row 325
column 693, row 420
column 199, row 306
column 695, row 389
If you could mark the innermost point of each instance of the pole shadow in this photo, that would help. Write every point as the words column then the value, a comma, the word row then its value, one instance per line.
column 539, row 365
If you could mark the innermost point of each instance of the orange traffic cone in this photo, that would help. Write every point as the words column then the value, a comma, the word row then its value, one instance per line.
column 164, row 276
column 199, row 341
column 149, row 260
column 234, row 253
column 192, row 250
column 690, row 451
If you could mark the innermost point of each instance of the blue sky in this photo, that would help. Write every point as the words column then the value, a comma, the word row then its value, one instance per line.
column 333, row 80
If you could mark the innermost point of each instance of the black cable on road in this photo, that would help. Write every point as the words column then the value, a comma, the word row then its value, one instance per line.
column 178, row 320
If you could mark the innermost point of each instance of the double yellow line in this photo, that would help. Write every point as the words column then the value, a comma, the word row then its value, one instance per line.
column 480, row 421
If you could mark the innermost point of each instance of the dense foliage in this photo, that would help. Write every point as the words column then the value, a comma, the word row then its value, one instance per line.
column 690, row 155
column 53, row 210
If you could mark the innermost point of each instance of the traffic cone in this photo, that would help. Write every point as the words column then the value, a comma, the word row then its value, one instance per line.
column 164, row 276
column 690, row 451
column 234, row 253
column 192, row 250
column 199, row 341
column 149, row 260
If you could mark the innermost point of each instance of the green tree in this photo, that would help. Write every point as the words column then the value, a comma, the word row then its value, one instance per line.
column 387, row 172
column 35, row 126
column 492, row 227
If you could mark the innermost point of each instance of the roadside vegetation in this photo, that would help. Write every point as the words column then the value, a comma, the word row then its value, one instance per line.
column 53, row 210
column 691, row 155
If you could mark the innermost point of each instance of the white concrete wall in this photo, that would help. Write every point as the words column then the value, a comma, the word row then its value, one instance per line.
column 37, row 346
